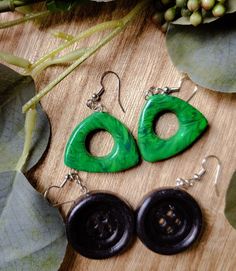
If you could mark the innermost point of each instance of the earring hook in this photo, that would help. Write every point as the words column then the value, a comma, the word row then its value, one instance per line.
column 93, row 102
column 218, row 170
column 169, row 90
column 186, row 183
column 72, row 177
column 195, row 90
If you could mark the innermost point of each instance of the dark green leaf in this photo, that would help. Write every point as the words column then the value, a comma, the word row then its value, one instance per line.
column 15, row 90
column 206, row 53
column 230, row 204
column 32, row 235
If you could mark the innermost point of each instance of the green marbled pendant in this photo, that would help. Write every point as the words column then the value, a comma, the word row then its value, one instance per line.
column 192, row 124
column 124, row 154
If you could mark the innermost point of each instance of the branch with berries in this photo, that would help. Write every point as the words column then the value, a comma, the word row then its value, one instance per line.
column 194, row 12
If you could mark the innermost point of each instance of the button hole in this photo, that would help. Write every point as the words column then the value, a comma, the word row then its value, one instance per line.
column 170, row 213
column 169, row 230
column 162, row 221
column 177, row 221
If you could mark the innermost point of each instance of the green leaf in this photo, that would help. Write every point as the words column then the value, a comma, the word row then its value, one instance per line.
column 15, row 90
column 230, row 204
column 231, row 7
column 206, row 53
column 32, row 235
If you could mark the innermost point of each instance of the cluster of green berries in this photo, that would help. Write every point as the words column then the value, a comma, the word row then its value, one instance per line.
column 195, row 10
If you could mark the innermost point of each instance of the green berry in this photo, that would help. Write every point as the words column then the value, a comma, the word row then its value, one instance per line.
column 181, row 3
column 208, row 4
column 170, row 14
column 221, row 1
column 196, row 18
column 218, row 10
column 193, row 5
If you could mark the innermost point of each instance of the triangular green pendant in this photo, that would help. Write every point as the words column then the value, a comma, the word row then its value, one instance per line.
column 124, row 154
column 192, row 124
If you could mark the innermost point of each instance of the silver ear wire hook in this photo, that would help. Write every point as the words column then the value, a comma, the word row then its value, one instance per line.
column 195, row 90
column 73, row 177
column 169, row 90
column 186, row 183
column 218, row 170
column 94, row 104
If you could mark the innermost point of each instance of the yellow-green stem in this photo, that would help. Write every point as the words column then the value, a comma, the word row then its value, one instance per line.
column 30, row 121
column 63, row 36
column 51, row 85
column 15, row 60
column 121, row 24
column 26, row 18
column 72, row 56
column 85, row 34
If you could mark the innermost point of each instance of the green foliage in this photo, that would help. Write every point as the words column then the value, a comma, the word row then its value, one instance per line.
column 15, row 90
column 230, row 202
column 194, row 12
column 32, row 233
column 206, row 53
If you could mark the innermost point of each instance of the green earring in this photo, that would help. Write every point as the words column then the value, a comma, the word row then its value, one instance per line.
column 124, row 154
column 192, row 124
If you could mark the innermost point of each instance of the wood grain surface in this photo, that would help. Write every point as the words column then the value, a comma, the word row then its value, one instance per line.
column 140, row 57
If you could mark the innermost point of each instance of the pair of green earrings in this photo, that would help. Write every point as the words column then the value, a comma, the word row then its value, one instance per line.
column 125, row 154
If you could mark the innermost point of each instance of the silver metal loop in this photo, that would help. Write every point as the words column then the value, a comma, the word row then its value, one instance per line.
column 169, row 90
column 186, row 183
column 94, row 102
column 155, row 91
column 72, row 177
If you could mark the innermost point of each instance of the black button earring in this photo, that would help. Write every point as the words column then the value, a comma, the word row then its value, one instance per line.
column 99, row 225
column 169, row 220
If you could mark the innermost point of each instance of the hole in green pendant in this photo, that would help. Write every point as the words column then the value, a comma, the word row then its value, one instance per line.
column 166, row 125
column 99, row 143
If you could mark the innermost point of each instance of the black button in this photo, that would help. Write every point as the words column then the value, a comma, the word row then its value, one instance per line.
column 100, row 225
column 168, row 221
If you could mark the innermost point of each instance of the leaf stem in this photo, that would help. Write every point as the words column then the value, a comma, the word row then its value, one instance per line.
column 15, row 60
column 72, row 56
column 30, row 122
column 25, row 18
column 120, row 26
column 51, row 85
column 10, row 5
column 85, row 34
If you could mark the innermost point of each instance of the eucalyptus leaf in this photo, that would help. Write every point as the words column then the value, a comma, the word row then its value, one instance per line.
column 230, row 204
column 231, row 6
column 15, row 90
column 32, row 235
column 206, row 53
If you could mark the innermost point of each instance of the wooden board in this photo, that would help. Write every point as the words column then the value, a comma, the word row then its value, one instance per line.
column 139, row 56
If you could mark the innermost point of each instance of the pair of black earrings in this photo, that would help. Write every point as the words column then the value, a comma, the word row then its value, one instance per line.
column 100, row 225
